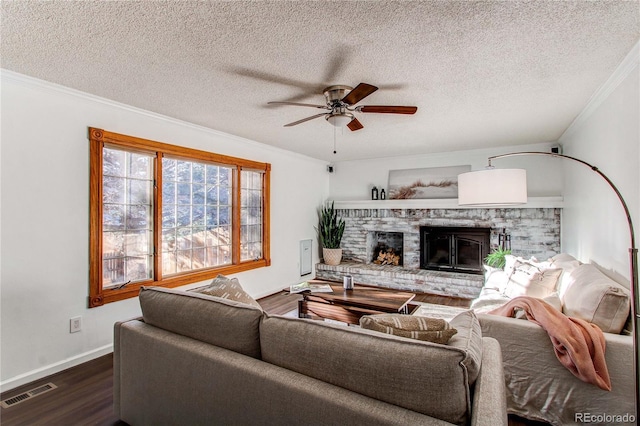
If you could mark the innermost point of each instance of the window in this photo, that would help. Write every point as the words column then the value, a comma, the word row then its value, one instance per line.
column 167, row 215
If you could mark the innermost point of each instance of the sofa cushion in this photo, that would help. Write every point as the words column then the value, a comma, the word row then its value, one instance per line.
column 434, row 330
column 426, row 377
column 469, row 340
column 221, row 322
column 594, row 297
column 227, row 288
column 531, row 279
column 495, row 279
column 567, row 263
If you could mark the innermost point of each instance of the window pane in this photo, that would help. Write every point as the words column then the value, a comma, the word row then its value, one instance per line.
column 138, row 217
column 169, row 264
column 251, row 215
column 197, row 215
column 139, row 191
column 113, row 162
column 168, row 216
column 113, row 190
column 183, row 171
column 113, row 217
column 198, row 171
column 127, row 225
column 140, row 166
column 196, row 235
column 211, row 174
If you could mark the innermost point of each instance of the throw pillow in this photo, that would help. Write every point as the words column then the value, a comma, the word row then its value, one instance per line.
column 534, row 280
column 414, row 327
column 594, row 297
column 495, row 278
column 227, row 288
column 567, row 263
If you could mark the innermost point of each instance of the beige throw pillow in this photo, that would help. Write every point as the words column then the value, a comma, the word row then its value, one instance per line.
column 227, row 288
column 567, row 263
column 534, row 280
column 414, row 327
column 594, row 297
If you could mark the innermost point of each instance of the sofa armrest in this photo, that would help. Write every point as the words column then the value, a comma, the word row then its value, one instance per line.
column 538, row 384
column 116, row 363
column 489, row 398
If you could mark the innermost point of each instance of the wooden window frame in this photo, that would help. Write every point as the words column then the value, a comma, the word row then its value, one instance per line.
column 98, row 138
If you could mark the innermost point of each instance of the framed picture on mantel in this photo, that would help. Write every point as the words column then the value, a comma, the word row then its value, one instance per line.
column 431, row 182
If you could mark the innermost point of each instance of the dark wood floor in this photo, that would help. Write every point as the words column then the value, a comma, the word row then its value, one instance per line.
column 84, row 394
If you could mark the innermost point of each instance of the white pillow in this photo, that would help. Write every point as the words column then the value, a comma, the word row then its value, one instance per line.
column 554, row 300
column 495, row 278
column 594, row 297
column 534, row 280
column 567, row 263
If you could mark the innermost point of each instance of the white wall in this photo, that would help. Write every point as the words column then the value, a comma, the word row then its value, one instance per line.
column 45, row 219
column 606, row 135
column 353, row 180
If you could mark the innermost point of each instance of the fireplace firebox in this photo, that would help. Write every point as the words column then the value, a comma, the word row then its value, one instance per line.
column 454, row 249
column 386, row 248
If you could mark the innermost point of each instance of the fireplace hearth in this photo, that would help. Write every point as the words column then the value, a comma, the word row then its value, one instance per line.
column 454, row 249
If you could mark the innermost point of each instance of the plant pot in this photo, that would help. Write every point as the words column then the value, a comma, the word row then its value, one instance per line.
column 332, row 256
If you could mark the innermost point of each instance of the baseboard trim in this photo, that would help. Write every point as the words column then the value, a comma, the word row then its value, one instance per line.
column 48, row 370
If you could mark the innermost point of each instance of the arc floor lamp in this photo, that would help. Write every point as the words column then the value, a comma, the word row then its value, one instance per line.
column 493, row 187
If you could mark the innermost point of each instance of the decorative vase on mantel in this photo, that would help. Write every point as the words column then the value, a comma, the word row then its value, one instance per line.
column 332, row 256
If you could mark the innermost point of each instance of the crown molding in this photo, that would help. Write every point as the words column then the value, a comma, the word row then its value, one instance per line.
column 628, row 64
column 8, row 76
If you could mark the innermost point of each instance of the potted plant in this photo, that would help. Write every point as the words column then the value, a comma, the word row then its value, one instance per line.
column 496, row 259
column 330, row 230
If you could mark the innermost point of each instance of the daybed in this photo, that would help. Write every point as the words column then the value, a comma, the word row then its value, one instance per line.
column 198, row 359
column 538, row 386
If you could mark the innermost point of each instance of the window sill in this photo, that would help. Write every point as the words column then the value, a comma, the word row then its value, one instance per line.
column 132, row 290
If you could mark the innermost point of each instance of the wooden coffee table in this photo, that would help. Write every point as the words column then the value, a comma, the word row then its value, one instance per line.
column 349, row 305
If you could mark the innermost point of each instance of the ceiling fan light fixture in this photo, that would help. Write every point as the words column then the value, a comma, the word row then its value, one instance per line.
column 339, row 120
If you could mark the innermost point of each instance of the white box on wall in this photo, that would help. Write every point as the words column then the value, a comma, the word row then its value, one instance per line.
column 305, row 257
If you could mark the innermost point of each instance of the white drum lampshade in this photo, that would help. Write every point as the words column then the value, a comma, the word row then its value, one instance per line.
column 492, row 187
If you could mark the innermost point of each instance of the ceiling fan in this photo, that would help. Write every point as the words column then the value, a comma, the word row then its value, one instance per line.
column 340, row 103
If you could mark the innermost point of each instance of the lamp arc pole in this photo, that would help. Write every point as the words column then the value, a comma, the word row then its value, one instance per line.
column 633, row 255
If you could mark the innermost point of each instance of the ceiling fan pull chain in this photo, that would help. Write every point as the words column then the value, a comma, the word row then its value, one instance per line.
column 335, row 130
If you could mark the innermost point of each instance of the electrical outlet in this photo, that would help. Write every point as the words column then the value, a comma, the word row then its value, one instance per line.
column 75, row 324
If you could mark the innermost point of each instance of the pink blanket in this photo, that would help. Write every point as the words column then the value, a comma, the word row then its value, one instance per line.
column 578, row 344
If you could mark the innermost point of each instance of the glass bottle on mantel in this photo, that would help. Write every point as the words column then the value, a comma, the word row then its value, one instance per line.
column 382, row 194
column 374, row 193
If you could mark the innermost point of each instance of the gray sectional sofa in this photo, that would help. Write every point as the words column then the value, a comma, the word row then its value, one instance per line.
column 196, row 359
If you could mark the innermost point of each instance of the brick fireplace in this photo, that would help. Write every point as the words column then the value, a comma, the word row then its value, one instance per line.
column 534, row 232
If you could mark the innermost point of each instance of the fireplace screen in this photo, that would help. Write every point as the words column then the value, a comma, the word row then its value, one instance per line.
column 453, row 249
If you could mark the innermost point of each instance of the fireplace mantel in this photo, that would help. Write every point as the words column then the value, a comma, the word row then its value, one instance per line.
column 449, row 203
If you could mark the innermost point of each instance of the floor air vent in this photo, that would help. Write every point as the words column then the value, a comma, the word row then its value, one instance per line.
column 10, row 402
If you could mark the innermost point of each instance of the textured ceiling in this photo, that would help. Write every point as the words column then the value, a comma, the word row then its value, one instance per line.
column 481, row 73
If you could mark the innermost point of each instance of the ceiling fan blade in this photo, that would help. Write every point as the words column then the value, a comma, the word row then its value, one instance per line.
column 355, row 125
column 295, row 123
column 299, row 104
column 273, row 78
column 360, row 92
column 388, row 109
